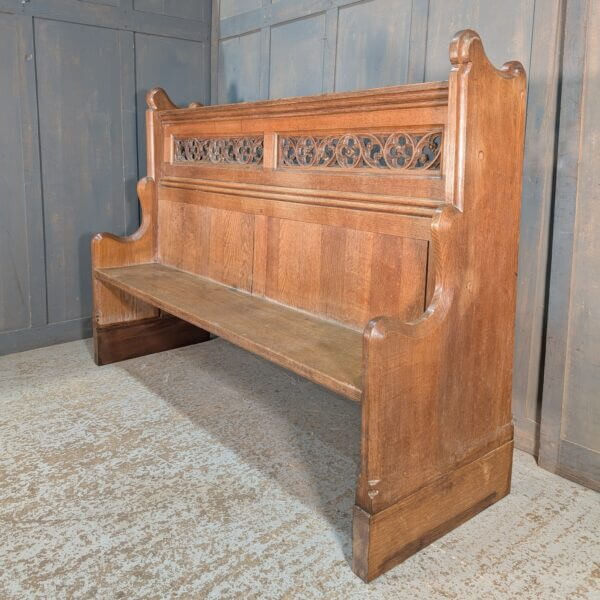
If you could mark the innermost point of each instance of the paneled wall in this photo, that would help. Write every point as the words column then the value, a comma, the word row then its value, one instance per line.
column 74, row 75
column 570, row 436
column 293, row 47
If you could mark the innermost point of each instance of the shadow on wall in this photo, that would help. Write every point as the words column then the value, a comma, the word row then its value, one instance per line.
column 232, row 94
column 302, row 437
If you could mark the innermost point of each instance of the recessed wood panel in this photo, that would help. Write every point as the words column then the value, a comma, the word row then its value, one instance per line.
column 232, row 8
column 372, row 44
column 580, row 296
column 180, row 66
column 506, row 27
column 297, row 57
column 211, row 242
column 294, row 263
column 14, row 269
column 239, row 69
column 104, row 2
column 343, row 274
column 81, row 140
column 198, row 10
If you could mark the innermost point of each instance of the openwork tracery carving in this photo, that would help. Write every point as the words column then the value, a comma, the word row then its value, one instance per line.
column 397, row 150
column 239, row 150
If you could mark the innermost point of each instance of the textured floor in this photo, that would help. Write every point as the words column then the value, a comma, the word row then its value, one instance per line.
column 206, row 472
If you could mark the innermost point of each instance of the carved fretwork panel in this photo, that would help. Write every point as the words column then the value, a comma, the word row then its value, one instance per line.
column 217, row 151
column 395, row 150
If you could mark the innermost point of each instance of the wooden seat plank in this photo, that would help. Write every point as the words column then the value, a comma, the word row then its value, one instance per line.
column 323, row 351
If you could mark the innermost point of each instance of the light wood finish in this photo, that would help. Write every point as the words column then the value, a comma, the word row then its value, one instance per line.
column 342, row 274
column 326, row 352
column 349, row 217
column 445, row 378
column 378, row 258
column 386, row 538
column 110, row 306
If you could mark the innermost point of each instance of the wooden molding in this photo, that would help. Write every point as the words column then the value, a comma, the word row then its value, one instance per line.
column 421, row 95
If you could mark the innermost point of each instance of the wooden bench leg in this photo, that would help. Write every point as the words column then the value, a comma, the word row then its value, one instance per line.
column 387, row 538
column 130, row 339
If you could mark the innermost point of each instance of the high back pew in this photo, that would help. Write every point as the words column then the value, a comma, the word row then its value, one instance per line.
column 366, row 241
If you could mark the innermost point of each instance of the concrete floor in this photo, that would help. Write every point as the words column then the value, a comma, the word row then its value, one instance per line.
column 206, row 472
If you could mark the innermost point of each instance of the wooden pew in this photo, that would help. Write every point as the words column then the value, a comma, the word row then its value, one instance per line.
column 365, row 240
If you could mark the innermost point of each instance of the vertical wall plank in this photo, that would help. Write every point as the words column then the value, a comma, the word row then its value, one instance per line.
column 297, row 57
column 418, row 41
column 14, row 267
column 181, row 67
column 232, row 8
column 32, row 180
column 154, row 6
column 184, row 9
column 373, row 44
column 265, row 61
column 188, row 9
column 265, row 58
column 505, row 28
column 570, row 428
column 82, row 155
column 239, row 68
column 131, row 212
column 538, row 170
column 214, row 51
column 330, row 51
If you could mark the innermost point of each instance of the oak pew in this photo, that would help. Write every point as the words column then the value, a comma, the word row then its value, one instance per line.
column 365, row 240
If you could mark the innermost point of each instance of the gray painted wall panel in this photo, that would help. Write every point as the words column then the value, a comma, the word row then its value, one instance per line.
column 181, row 67
column 536, row 213
column 232, row 8
column 582, row 406
column 153, row 6
column 506, row 29
column 184, row 9
column 81, row 149
column 83, row 80
column 14, row 268
column 104, row 2
column 188, row 9
column 239, row 61
column 570, row 428
column 372, row 45
column 297, row 57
